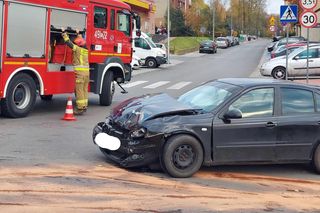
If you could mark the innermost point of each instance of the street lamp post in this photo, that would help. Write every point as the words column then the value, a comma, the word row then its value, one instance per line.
column 213, row 18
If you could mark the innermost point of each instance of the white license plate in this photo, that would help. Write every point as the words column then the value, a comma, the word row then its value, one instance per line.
column 106, row 141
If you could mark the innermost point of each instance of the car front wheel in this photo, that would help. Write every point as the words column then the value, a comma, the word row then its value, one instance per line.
column 182, row 156
column 151, row 63
column 316, row 159
column 279, row 73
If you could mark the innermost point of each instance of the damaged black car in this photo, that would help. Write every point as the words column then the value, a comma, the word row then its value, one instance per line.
column 226, row 121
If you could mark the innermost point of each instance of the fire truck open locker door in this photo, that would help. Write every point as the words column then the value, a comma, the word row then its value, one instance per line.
column 60, row 62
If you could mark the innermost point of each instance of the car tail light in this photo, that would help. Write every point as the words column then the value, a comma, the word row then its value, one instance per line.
column 273, row 55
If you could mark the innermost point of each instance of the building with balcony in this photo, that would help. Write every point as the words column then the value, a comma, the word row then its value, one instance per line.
column 146, row 9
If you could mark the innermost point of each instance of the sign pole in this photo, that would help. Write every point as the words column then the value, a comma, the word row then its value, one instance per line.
column 308, row 56
column 287, row 52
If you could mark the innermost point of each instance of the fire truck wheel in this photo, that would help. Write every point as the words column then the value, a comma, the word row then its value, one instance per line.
column 107, row 89
column 46, row 97
column 20, row 97
column 151, row 63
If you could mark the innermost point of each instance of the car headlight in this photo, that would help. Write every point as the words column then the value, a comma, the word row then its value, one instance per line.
column 160, row 54
column 139, row 133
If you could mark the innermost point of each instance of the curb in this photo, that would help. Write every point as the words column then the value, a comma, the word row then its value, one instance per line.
column 256, row 72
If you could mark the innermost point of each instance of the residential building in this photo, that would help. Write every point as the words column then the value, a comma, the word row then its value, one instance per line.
column 162, row 6
column 314, row 33
column 146, row 9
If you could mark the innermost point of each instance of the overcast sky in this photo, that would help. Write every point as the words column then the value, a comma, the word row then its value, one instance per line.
column 273, row 6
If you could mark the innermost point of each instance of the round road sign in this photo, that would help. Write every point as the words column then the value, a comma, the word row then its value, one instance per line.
column 308, row 4
column 272, row 28
column 308, row 19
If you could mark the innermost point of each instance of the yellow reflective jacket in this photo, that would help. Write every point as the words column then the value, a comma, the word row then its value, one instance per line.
column 80, row 55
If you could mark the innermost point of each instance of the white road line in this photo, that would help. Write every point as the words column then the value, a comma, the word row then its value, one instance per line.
column 155, row 85
column 180, row 85
column 133, row 84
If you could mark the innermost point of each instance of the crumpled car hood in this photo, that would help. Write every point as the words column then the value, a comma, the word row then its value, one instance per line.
column 132, row 112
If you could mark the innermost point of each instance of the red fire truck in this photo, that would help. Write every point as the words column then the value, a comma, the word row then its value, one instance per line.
column 35, row 60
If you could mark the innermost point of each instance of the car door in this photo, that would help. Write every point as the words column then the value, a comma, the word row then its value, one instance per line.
column 298, row 64
column 102, row 40
column 298, row 125
column 141, row 48
column 251, row 138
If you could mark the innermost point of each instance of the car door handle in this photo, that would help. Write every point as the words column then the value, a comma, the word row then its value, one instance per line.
column 310, row 60
column 270, row 124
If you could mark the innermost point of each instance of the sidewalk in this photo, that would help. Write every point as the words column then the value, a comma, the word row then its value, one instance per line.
column 142, row 70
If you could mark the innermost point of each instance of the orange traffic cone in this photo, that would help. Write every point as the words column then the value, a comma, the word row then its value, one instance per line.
column 68, row 116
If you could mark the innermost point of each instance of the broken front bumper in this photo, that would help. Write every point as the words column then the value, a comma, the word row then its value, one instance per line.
column 132, row 152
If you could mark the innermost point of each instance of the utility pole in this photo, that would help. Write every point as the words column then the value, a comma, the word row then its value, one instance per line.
column 231, row 27
column 242, row 17
column 168, row 33
column 213, row 18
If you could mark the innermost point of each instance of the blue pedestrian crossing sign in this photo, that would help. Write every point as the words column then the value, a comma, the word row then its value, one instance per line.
column 288, row 13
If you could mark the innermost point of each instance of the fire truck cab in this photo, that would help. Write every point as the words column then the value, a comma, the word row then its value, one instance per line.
column 35, row 60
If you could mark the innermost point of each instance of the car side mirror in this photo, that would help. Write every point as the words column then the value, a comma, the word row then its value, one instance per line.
column 232, row 114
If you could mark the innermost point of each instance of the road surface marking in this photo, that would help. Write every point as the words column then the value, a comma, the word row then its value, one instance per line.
column 133, row 84
column 179, row 85
column 155, row 85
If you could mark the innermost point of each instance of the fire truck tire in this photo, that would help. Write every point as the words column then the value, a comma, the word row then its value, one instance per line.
column 107, row 89
column 20, row 97
column 46, row 97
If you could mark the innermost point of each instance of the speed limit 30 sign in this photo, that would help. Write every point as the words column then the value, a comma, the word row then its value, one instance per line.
column 308, row 4
column 308, row 19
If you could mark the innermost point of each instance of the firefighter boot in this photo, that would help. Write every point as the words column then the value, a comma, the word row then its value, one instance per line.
column 79, row 111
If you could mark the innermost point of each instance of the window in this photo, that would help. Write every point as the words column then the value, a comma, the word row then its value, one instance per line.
column 140, row 42
column 255, row 103
column 313, row 53
column 209, row 96
column 318, row 102
column 124, row 23
column 26, row 33
column 112, row 20
column 100, row 17
column 296, row 101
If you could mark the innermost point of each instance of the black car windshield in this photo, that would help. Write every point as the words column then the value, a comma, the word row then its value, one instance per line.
column 208, row 96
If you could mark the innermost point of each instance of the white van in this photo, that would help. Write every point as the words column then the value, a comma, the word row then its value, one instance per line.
column 150, row 55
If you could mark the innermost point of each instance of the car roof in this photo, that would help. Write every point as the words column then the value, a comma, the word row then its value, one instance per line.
column 251, row 82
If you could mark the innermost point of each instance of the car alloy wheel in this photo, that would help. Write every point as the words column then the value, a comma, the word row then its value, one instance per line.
column 279, row 73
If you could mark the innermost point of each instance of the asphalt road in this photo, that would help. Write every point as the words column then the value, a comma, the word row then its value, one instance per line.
column 50, row 165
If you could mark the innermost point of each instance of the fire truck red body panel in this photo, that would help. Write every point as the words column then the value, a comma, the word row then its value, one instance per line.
column 53, row 71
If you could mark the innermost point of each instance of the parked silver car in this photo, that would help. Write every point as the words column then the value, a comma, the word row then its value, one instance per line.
column 297, row 64
column 222, row 42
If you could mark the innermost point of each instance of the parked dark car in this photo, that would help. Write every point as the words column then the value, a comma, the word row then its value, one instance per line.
column 208, row 46
column 226, row 121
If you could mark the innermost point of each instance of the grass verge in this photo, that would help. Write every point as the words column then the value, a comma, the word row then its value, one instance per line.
column 182, row 45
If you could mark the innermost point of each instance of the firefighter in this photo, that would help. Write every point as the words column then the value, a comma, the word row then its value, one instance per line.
column 81, row 68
